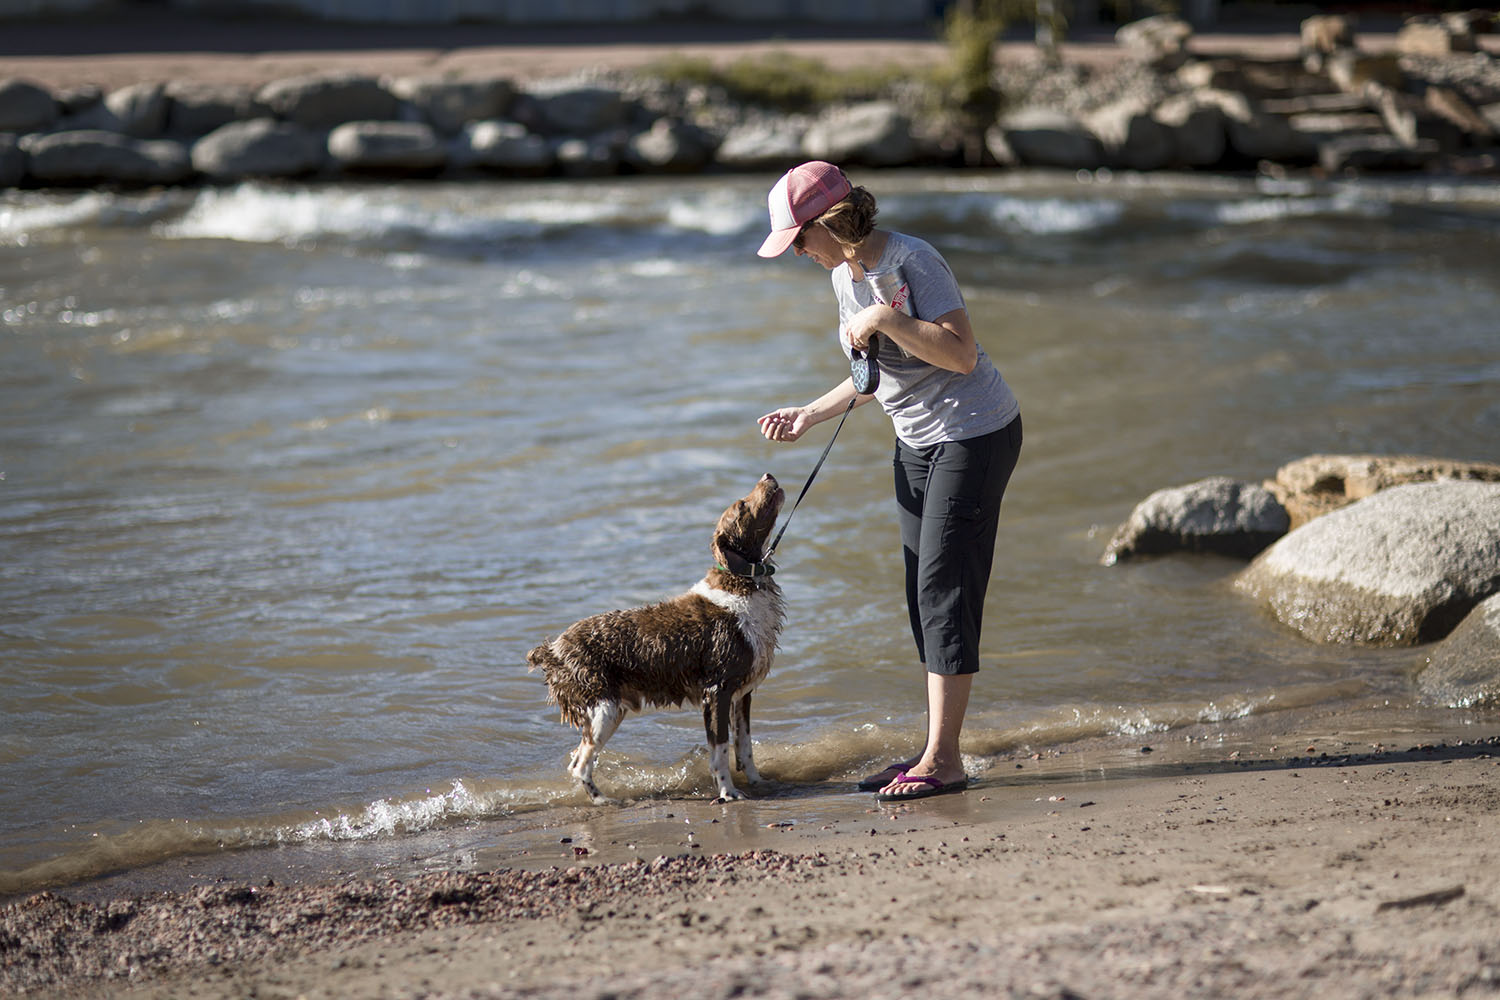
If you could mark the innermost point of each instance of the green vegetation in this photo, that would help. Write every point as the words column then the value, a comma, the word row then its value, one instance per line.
column 781, row 80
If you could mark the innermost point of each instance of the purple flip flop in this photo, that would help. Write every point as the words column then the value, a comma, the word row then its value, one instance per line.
column 934, row 787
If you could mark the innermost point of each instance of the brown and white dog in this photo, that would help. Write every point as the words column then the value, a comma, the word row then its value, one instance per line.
column 711, row 645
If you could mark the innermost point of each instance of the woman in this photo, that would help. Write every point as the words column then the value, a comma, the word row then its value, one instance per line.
column 958, row 434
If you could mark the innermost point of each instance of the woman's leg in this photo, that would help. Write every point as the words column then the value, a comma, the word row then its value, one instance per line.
column 948, row 556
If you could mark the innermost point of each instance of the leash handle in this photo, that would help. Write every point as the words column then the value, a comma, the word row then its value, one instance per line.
column 811, row 476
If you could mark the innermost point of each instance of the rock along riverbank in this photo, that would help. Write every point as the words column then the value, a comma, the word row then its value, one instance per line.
column 1430, row 101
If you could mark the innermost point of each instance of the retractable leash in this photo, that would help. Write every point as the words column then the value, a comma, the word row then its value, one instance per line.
column 890, row 289
column 866, row 376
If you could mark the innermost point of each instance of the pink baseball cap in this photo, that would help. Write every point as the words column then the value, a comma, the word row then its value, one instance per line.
column 803, row 193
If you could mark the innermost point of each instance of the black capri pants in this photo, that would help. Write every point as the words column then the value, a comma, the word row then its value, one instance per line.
column 949, row 497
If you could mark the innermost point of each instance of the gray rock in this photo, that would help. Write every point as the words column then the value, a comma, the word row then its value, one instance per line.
column 1398, row 568
column 140, row 109
column 1217, row 515
column 1197, row 129
column 596, row 156
column 448, row 105
column 25, row 107
column 1042, row 137
column 1464, row 669
column 1132, row 138
column 1375, row 153
column 670, row 146
column 196, row 109
column 324, row 100
column 1423, row 36
column 572, row 111
column 1316, row 484
column 1491, row 114
column 72, row 100
column 386, row 147
column 1325, row 33
column 1351, row 71
column 872, row 133
column 261, row 147
column 104, row 157
column 772, row 142
column 508, row 147
column 1256, row 135
column 12, row 161
column 1160, row 39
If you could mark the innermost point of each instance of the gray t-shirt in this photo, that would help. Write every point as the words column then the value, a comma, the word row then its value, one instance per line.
column 927, row 404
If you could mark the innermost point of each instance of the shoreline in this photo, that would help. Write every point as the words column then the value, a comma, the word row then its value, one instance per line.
column 1328, row 858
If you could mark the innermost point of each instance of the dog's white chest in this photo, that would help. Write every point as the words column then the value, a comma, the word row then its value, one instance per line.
column 759, row 617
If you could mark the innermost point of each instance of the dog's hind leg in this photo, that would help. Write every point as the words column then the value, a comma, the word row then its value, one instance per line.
column 743, row 754
column 604, row 719
column 717, row 706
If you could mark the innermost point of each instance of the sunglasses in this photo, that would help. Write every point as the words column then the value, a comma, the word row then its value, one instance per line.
column 802, row 233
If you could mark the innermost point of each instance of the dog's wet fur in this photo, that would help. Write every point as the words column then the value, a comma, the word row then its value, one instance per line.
column 711, row 645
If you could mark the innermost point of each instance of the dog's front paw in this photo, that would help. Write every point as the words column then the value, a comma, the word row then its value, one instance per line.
column 731, row 794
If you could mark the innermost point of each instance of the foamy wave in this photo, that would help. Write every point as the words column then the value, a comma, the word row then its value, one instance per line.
column 387, row 817
column 1045, row 216
column 155, row 841
column 1275, row 207
column 27, row 215
column 255, row 213
column 723, row 215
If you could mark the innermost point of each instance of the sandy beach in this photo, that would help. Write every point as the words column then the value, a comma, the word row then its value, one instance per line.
column 1285, row 857
column 1337, row 867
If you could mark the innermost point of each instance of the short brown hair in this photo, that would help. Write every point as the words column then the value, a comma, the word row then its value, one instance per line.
column 852, row 220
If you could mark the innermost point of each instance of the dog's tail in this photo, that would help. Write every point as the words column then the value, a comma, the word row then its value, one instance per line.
column 541, row 658
column 555, row 672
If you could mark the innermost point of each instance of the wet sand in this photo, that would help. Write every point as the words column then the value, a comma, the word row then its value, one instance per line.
column 1331, row 865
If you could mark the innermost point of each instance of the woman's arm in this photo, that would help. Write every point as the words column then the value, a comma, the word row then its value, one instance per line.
column 791, row 422
column 947, row 342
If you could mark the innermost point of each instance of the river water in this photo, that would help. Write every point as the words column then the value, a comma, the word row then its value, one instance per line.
column 292, row 477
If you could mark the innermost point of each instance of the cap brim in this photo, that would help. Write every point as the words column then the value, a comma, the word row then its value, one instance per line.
column 776, row 244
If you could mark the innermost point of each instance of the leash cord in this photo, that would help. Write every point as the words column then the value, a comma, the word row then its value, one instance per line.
column 811, row 476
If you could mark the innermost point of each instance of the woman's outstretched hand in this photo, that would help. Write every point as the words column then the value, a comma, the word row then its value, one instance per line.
column 786, row 424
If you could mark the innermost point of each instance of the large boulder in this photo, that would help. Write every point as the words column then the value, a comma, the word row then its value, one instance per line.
column 12, row 161
column 139, row 108
column 197, row 108
column 775, row 141
column 1160, row 40
column 25, row 107
column 1464, row 669
column 261, row 147
column 571, row 110
column 1370, row 153
column 1325, row 33
column 591, row 156
column 1254, row 134
column 386, row 148
column 504, row 146
column 1217, row 515
column 670, row 146
column 448, row 105
column 1197, row 129
column 1314, row 485
column 1431, row 36
column 324, row 100
column 873, row 133
column 91, row 156
column 1398, row 568
column 1044, row 137
column 1132, row 137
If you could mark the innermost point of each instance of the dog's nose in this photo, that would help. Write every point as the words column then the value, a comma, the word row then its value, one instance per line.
column 768, row 478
